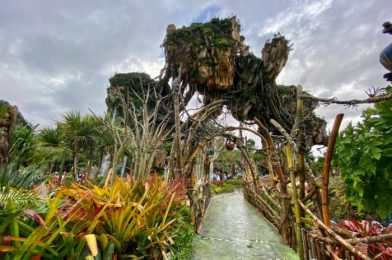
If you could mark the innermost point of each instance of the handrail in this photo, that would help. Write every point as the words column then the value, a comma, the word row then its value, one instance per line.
column 334, row 234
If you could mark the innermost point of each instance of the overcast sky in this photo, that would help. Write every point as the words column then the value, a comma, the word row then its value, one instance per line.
column 58, row 55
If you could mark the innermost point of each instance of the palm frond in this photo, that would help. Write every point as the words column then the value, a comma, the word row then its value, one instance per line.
column 12, row 178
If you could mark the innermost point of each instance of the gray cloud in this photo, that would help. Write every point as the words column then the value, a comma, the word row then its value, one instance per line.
column 58, row 55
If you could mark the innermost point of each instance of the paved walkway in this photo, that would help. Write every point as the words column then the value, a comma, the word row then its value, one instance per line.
column 233, row 229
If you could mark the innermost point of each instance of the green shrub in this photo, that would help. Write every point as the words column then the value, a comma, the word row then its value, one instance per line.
column 339, row 205
column 363, row 156
column 183, row 234
column 226, row 187
column 236, row 182
column 128, row 219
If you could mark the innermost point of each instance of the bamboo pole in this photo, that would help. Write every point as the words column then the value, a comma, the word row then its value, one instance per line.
column 284, row 198
column 383, row 237
column 177, row 136
column 318, row 250
column 301, row 145
column 309, row 195
column 313, row 247
column 322, row 250
column 284, row 228
column 324, row 239
column 305, row 244
column 347, row 255
column 334, row 256
column 340, row 231
column 308, row 174
column 261, row 207
column 293, row 236
column 273, row 212
column 327, row 167
column 274, row 156
column 334, row 234
column 270, row 199
column 294, row 195
column 268, row 159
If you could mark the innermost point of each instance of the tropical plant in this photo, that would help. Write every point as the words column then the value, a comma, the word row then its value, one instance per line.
column 53, row 141
column 221, row 187
column 183, row 233
column 236, row 182
column 228, row 161
column 340, row 208
column 15, row 198
column 315, row 163
column 126, row 220
column 143, row 130
column 79, row 131
column 363, row 155
column 25, row 150
column 378, row 250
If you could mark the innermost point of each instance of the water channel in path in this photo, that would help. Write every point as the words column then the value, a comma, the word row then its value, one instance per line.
column 233, row 229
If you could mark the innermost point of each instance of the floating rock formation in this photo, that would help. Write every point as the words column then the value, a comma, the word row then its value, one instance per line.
column 212, row 59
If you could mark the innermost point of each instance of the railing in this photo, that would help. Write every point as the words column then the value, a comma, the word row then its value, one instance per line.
column 318, row 241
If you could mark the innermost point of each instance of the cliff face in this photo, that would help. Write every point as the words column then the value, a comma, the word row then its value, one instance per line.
column 128, row 87
column 213, row 59
column 9, row 119
column 204, row 53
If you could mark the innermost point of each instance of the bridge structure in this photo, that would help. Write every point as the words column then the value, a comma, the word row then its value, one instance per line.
column 289, row 198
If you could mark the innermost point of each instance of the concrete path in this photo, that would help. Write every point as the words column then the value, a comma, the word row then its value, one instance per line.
column 233, row 229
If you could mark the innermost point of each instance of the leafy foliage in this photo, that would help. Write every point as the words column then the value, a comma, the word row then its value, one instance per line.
column 363, row 156
column 127, row 220
column 371, row 228
column 220, row 187
column 236, row 182
column 315, row 163
column 4, row 113
column 183, row 234
column 227, row 160
column 339, row 205
column 25, row 150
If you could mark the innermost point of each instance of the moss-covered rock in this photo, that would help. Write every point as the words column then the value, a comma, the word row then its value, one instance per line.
column 10, row 117
column 204, row 53
column 213, row 59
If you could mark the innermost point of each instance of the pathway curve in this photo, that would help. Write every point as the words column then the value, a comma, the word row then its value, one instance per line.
column 233, row 229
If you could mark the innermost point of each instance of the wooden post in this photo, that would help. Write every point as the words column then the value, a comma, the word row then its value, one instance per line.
column 267, row 157
column 313, row 247
column 284, row 218
column 334, row 234
column 305, row 243
column 294, row 194
column 275, row 159
column 177, row 138
column 327, row 166
column 300, row 145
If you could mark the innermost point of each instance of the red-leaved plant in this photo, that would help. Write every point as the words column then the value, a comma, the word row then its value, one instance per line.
column 365, row 228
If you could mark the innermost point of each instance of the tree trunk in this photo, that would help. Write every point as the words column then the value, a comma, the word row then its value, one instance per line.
column 177, row 139
column 75, row 161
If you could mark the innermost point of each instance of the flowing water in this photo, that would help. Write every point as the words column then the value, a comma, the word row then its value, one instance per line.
column 233, row 229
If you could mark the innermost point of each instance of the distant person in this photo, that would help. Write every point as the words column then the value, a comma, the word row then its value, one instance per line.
column 386, row 54
column 84, row 175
